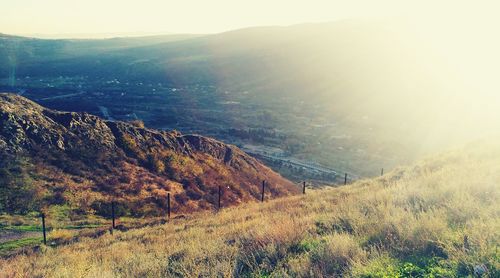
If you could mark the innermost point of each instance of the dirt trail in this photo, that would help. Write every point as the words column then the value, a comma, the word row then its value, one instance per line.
column 15, row 235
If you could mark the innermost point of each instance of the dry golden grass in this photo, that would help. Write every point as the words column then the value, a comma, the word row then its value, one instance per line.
column 439, row 218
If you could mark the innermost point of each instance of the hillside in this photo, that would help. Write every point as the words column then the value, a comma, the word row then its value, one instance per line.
column 81, row 162
column 438, row 218
column 17, row 51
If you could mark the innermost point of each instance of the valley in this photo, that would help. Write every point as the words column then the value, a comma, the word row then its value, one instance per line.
column 299, row 130
column 319, row 101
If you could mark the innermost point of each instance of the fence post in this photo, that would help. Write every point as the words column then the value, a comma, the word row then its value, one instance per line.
column 218, row 202
column 44, row 230
column 382, row 172
column 345, row 179
column 112, row 216
column 263, row 190
column 168, row 206
column 304, row 188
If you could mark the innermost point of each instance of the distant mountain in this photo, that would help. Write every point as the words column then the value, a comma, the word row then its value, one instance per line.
column 89, row 36
column 355, row 64
column 357, row 95
column 81, row 161
column 17, row 52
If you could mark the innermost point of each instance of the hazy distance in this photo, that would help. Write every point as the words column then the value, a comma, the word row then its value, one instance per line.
column 96, row 18
column 390, row 79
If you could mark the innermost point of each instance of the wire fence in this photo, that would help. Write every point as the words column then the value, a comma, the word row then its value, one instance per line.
column 110, row 221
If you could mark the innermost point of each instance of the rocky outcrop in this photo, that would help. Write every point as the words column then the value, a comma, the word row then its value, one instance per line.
column 78, row 152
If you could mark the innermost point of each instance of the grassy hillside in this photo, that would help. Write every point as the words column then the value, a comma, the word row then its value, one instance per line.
column 438, row 218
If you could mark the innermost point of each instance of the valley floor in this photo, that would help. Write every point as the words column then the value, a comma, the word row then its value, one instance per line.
column 439, row 218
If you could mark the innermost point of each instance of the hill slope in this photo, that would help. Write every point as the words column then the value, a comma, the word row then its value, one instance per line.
column 438, row 218
column 79, row 160
column 22, row 51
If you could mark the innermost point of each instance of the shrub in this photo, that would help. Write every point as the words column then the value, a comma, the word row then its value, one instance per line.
column 156, row 164
column 137, row 123
column 130, row 146
column 58, row 214
column 103, row 208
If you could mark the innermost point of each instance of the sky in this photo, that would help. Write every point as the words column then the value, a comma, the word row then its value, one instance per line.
column 94, row 17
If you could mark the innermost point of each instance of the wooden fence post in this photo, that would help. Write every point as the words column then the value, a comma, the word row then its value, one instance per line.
column 382, row 172
column 44, row 230
column 263, row 190
column 304, row 188
column 112, row 216
column 345, row 179
column 168, row 206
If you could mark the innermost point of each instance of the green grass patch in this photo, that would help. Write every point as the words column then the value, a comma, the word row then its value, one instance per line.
column 18, row 243
column 305, row 245
column 423, row 267
column 35, row 228
column 23, row 228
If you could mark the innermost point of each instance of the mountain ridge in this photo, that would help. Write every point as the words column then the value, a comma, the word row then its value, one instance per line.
column 72, row 154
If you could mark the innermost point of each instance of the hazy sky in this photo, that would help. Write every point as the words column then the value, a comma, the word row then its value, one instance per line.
column 203, row 16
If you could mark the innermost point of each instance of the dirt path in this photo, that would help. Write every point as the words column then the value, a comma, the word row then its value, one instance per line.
column 8, row 235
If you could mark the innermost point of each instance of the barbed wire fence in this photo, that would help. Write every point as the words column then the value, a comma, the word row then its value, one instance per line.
column 113, row 215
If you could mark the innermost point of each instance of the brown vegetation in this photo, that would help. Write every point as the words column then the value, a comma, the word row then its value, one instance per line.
column 51, row 158
column 438, row 218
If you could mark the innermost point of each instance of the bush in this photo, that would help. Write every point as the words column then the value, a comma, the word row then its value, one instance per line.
column 156, row 164
column 103, row 208
column 130, row 146
column 137, row 123
column 58, row 214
